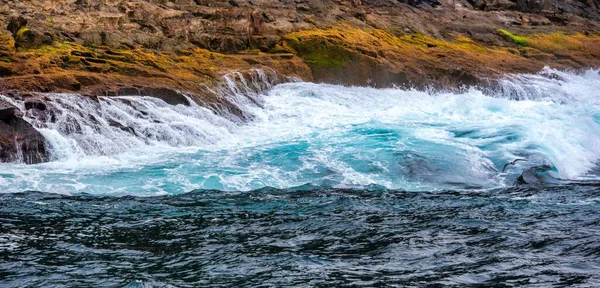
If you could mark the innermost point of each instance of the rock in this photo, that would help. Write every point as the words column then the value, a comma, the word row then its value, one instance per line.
column 6, row 71
column 100, row 38
column 170, row 96
column 7, row 111
column 530, row 6
column 478, row 4
column 35, row 104
column 417, row 3
column 19, row 141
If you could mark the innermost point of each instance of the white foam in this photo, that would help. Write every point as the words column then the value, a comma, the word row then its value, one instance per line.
column 558, row 117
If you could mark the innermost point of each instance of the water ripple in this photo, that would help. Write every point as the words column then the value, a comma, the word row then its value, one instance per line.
column 308, row 236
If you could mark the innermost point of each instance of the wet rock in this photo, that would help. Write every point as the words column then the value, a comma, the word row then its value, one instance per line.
column 170, row 96
column 19, row 141
column 35, row 104
column 7, row 111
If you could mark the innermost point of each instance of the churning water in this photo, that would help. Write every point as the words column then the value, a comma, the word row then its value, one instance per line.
column 324, row 186
column 324, row 135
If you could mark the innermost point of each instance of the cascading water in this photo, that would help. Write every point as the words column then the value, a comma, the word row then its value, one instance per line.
column 324, row 135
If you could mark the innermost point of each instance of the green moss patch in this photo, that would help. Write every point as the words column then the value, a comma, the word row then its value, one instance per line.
column 517, row 39
column 319, row 53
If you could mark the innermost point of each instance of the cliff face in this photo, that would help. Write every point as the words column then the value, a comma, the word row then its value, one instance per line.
column 161, row 48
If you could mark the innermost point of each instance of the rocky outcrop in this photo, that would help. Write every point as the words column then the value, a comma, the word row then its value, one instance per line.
column 19, row 141
column 232, row 26
column 350, row 56
column 24, row 37
column 89, row 31
column 171, row 48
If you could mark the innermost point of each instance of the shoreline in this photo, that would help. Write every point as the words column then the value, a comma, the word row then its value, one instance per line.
column 184, row 50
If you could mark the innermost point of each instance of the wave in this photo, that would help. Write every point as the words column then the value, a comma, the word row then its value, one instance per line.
column 326, row 135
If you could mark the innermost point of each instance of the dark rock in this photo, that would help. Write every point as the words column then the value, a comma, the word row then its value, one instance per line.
column 35, row 104
column 83, row 54
column 19, row 141
column 6, row 72
column 478, row 4
column 530, row 6
column 96, row 60
column 263, row 43
column 168, row 95
column 15, row 24
column 30, row 39
column 7, row 111
column 419, row 3
column 129, row 91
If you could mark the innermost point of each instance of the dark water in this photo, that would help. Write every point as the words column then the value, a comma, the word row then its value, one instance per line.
column 520, row 236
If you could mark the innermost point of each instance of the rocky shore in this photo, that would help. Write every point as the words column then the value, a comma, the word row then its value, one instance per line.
column 166, row 48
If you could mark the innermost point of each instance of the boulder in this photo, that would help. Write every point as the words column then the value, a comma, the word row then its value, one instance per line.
column 25, row 37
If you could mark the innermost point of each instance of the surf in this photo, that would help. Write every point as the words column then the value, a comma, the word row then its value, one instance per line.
column 325, row 135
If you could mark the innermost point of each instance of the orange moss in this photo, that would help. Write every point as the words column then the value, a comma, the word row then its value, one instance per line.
column 561, row 43
column 69, row 66
column 342, row 54
column 7, row 43
column 420, row 58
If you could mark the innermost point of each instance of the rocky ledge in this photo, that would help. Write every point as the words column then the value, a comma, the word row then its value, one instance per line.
column 165, row 48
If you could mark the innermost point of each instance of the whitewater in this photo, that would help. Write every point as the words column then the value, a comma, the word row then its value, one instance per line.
column 319, row 135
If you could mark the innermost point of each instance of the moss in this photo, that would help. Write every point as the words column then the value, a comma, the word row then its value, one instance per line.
column 5, row 59
column 319, row 53
column 21, row 32
column 7, row 43
column 561, row 43
column 517, row 39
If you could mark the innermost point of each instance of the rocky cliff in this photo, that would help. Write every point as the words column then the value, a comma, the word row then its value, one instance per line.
column 165, row 48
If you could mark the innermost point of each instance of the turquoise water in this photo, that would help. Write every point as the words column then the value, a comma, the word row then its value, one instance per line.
column 323, row 135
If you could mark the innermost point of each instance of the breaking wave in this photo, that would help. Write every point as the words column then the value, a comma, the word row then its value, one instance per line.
column 318, row 134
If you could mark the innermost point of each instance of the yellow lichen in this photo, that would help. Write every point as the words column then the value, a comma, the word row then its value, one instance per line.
column 20, row 33
column 560, row 43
